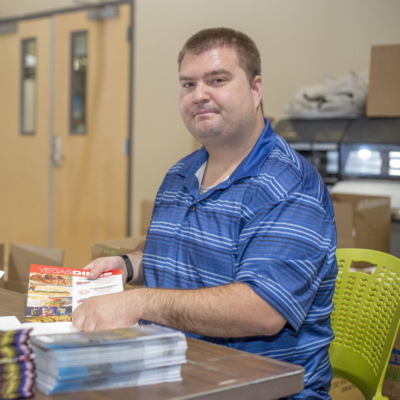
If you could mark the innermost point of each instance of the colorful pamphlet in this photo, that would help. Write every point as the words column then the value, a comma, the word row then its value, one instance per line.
column 55, row 292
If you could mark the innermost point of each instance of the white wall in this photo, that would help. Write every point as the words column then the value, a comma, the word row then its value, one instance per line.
column 299, row 40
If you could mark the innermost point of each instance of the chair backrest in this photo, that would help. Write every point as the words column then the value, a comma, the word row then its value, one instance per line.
column 365, row 319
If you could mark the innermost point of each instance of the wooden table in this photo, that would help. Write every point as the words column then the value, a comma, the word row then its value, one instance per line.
column 212, row 372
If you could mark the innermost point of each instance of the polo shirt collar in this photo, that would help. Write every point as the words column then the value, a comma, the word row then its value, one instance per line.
column 249, row 167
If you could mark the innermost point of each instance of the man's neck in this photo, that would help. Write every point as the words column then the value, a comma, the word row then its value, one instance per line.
column 223, row 160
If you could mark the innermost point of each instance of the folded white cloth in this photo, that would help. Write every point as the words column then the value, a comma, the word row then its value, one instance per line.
column 342, row 96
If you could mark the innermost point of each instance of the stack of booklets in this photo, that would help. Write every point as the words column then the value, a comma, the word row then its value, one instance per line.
column 17, row 370
column 141, row 355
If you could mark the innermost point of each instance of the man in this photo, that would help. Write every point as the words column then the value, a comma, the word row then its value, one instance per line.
column 241, row 247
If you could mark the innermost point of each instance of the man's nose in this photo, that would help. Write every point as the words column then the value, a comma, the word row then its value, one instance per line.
column 201, row 93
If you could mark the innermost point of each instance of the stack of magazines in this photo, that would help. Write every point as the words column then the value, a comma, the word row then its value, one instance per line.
column 17, row 370
column 141, row 355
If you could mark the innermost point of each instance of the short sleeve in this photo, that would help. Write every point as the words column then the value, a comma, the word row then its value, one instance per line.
column 284, row 253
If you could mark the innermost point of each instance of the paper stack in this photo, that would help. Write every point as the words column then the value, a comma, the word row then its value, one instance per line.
column 141, row 355
column 17, row 371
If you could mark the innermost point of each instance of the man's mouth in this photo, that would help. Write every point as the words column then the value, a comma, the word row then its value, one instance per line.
column 199, row 113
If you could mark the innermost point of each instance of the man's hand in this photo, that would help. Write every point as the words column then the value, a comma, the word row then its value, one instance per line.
column 105, row 264
column 110, row 311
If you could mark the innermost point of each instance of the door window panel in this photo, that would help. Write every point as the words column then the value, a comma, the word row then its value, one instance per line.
column 28, row 86
column 79, row 60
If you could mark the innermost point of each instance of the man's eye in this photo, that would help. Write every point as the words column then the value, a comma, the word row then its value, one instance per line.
column 217, row 81
column 188, row 85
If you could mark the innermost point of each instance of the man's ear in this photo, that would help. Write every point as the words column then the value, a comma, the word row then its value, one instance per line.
column 256, row 88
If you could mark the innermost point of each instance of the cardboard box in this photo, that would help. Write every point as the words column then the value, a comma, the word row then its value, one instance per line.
column 20, row 258
column 113, row 247
column 344, row 390
column 146, row 213
column 362, row 221
column 17, row 286
column 391, row 385
column 384, row 82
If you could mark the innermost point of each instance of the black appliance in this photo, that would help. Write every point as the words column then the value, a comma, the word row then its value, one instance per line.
column 318, row 141
column 371, row 149
column 346, row 148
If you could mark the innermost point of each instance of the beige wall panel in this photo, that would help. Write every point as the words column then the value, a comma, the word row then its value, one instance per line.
column 299, row 42
column 90, row 186
column 24, row 159
column 22, row 7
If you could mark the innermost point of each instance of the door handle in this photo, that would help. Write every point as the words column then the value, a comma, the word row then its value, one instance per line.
column 56, row 151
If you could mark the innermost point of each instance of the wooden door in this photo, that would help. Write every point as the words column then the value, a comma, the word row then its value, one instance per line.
column 24, row 158
column 82, row 198
column 90, row 184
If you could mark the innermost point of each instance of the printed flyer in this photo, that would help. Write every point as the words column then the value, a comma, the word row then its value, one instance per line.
column 55, row 292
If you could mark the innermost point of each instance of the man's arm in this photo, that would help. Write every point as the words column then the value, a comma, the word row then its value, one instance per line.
column 232, row 310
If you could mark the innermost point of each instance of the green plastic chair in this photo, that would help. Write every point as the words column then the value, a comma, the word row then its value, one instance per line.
column 365, row 319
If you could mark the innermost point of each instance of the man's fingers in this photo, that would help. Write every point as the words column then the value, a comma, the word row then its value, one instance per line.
column 104, row 264
column 78, row 318
column 90, row 325
column 86, row 325
column 89, row 266
column 83, row 320
column 94, row 273
column 97, row 267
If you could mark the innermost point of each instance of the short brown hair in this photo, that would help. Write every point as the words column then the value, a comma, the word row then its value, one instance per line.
column 248, row 55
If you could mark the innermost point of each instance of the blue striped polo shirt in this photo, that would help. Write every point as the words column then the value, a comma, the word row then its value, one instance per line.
column 270, row 225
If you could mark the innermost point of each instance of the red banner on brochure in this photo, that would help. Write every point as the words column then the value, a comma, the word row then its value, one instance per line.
column 46, row 269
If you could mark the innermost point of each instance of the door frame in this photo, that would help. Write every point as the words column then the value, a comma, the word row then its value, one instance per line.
column 9, row 22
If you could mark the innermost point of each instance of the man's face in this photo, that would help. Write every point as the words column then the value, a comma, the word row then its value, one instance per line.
column 216, row 100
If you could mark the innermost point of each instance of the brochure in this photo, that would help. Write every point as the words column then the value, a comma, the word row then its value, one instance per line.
column 132, row 335
column 55, row 292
